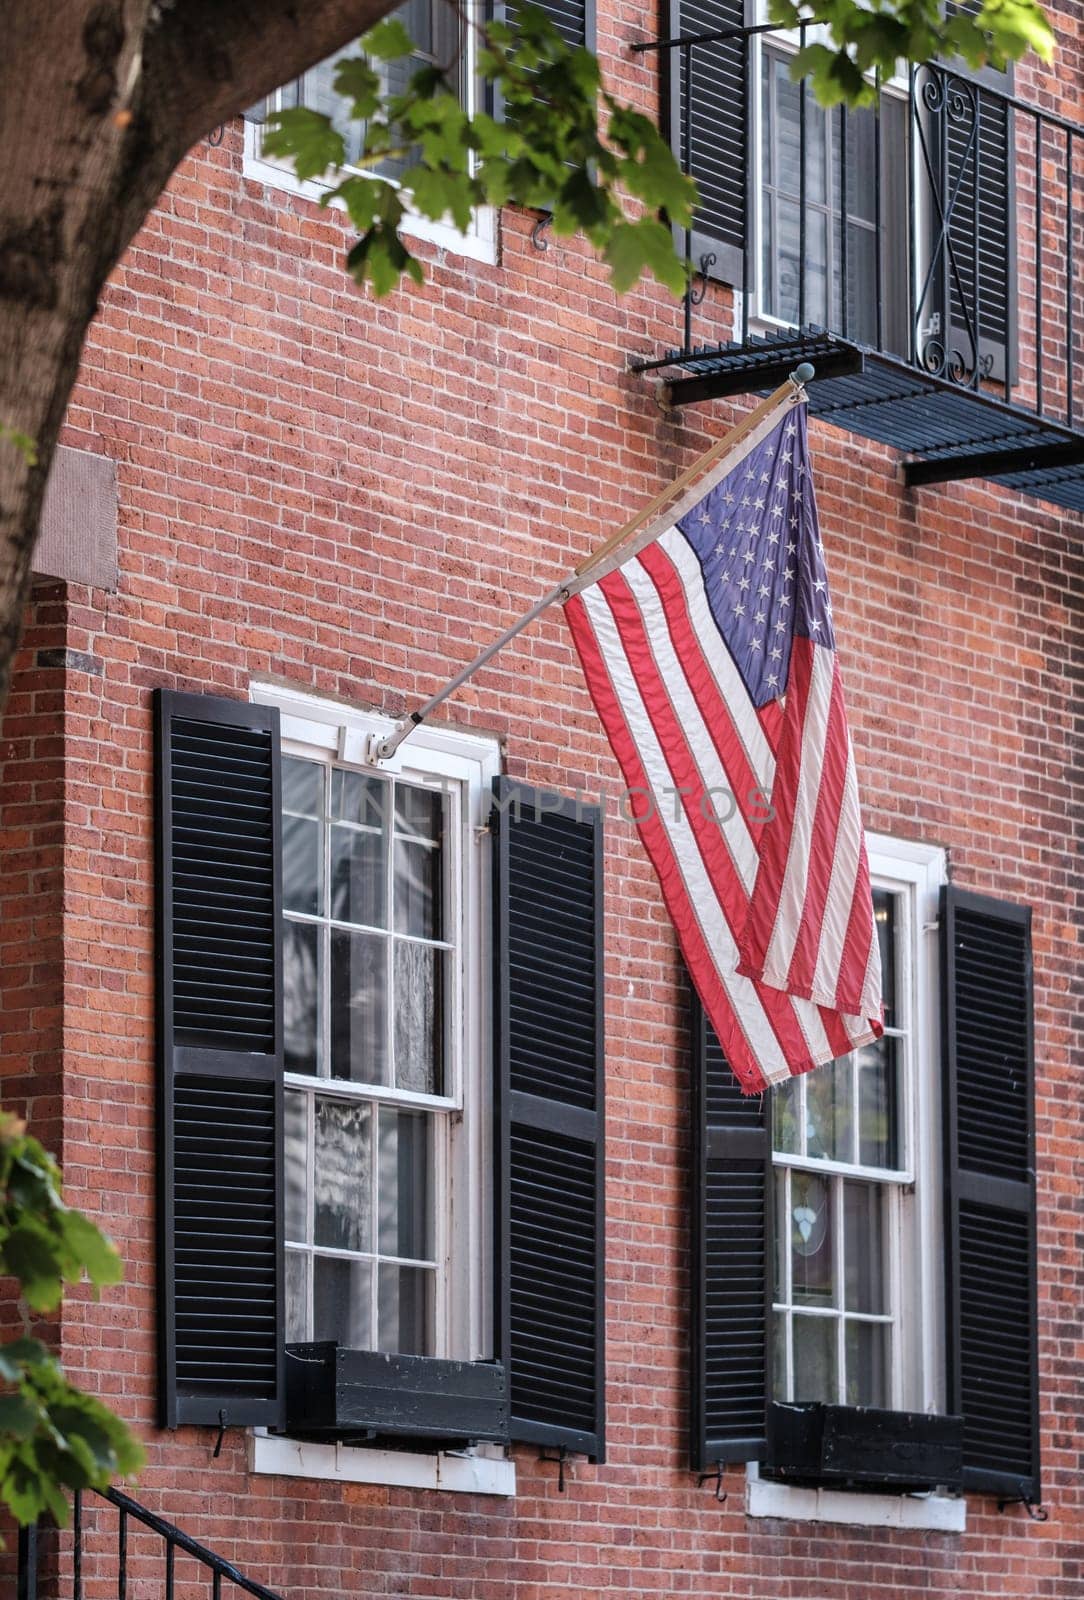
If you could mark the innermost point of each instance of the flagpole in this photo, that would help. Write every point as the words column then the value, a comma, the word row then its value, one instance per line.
column 791, row 391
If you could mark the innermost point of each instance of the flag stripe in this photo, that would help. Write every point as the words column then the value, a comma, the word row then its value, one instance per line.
column 674, row 728
column 710, row 655
column 752, row 1068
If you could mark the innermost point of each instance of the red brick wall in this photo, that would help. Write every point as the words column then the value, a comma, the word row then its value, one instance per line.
column 351, row 498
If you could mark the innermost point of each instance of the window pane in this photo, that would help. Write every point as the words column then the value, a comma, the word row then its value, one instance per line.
column 828, row 1111
column 358, row 877
column 811, row 1239
column 297, row 1296
column 342, row 1302
column 405, row 1300
column 301, row 947
column 815, row 1358
column 356, row 797
column 297, row 1165
column 864, row 1267
column 302, row 787
column 862, row 284
column 878, row 1133
column 419, row 1018
column 417, row 889
column 861, row 164
column 341, row 1179
column 320, row 93
column 779, row 1356
column 359, row 997
column 404, row 1184
column 419, row 811
column 867, row 1364
column 302, row 865
column 786, row 1111
column 884, row 912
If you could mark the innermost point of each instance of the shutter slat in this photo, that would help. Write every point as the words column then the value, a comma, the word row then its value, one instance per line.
column 219, row 901
column 548, row 1051
column 989, row 1134
column 731, row 1237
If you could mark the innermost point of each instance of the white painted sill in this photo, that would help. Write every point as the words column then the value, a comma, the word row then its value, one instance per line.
column 936, row 1512
column 479, row 243
column 484, row 1470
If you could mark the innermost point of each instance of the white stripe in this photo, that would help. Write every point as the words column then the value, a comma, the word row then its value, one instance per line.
column 728, row 680
column 735, row 829
column 748, row 1011
column 839, row 901
column 792, row 895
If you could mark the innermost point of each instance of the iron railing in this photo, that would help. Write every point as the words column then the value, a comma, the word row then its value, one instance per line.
column 134, row 1553
column 988, row 216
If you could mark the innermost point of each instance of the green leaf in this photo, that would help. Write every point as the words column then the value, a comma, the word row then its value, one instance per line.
column 19, row 1417
column 388, row 41
column 18, row 1354
column 31, row 1255
column 91, row 1250
column 26, row 446
column 307, row 138
column 356, row 80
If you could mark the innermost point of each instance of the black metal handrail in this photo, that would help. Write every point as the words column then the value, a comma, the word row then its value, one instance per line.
column 997, row 315
column 173, row 1539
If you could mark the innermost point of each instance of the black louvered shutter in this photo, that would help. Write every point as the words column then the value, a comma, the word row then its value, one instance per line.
column 719, row 134
column 731, row 1254
column 573, row 19
column 978, row 132
column 550, row 1218
column 990, row 1191
column 220, row 1061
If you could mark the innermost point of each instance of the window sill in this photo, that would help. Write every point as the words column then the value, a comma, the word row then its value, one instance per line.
column 939, row 1513
column 479, row 243
column 485, row 1470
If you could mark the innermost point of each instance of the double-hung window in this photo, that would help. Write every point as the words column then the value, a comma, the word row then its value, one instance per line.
column 376, row 949
column 380, row 1082
column 443, row 38
column 847, row 1306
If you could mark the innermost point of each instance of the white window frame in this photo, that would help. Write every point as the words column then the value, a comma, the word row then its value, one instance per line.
column 477, row 243
column 785, row 41
column 467, row 764
column 918, row 871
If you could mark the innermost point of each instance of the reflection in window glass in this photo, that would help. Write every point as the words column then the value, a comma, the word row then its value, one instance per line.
column 364, row 962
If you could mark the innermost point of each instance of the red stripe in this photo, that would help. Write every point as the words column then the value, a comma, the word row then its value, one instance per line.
column 775, row 835
column 861, row 931
column 683, row 769
column 732, row 753
column 716, row 1002
column 829, row 772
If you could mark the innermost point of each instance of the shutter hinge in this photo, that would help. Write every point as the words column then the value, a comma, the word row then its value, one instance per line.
column 1036, row 1511
column 561, row 1457
column 222, row 1424
column 715, row 1476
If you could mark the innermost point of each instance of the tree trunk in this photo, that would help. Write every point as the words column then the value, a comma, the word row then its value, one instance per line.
column 99, row 100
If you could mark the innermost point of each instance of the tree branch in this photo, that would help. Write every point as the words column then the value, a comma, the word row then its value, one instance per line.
column 205, row 61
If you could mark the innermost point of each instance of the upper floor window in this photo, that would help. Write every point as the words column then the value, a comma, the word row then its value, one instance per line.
column 443, row 38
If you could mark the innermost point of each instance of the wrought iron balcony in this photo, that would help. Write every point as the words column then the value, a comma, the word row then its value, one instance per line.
column 923, row 254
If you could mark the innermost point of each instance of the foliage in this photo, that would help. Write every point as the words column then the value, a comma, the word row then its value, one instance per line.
column 52, row 1437
column 864, row 37
column 548, row 149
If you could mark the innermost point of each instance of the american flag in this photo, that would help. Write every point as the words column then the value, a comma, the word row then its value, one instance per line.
column 710, row 657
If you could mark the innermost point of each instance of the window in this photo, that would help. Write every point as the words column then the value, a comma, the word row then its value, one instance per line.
column 369, row 976
column 384, row 994
column 442, row 38
column 844, row 1311
column 806, row 252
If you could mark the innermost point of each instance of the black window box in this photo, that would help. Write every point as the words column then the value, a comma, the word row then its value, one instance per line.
column 854, row 1447
column 362, row 1395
